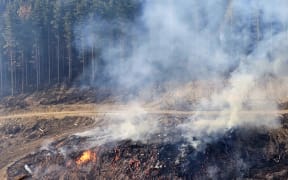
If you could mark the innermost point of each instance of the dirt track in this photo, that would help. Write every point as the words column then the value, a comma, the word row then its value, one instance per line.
column 89, row 110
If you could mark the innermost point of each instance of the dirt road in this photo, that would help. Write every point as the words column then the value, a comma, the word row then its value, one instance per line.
column 90, row 110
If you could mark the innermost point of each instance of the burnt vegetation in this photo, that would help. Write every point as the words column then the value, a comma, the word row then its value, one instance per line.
column 250, row 153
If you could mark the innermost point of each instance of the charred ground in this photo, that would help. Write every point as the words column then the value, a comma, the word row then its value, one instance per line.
column 47, row 148
column 247, row 154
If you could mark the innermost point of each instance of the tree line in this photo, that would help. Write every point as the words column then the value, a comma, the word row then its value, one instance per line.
column 37, row 40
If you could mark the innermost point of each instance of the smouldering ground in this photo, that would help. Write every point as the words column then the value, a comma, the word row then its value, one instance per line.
column 29, row 122
column 23, row 131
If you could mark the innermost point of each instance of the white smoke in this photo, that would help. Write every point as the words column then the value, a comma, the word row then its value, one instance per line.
column 243, row 42
column 129, row 123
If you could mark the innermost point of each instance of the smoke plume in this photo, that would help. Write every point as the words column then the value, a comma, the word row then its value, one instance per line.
column 243, row 43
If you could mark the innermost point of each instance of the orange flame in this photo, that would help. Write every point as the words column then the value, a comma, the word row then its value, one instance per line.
column 85, row 157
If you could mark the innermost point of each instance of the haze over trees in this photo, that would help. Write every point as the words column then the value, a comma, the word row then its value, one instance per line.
column 132, row 43
column 37, row 42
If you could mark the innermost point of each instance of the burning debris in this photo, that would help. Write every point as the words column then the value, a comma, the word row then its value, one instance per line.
column 86, row 157
column 239, row 154
column 18, row 137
